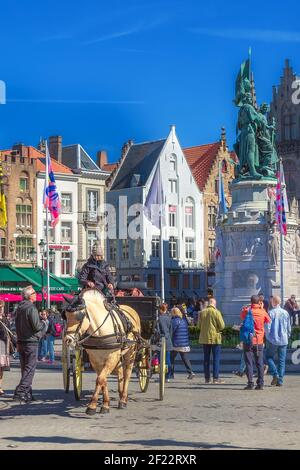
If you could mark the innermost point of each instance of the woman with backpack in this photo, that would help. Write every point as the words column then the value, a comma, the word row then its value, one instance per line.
column 180, row 340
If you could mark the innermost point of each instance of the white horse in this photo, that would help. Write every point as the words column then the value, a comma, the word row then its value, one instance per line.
column 96, row 321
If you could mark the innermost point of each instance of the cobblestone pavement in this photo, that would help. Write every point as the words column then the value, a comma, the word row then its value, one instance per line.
column 192, row 416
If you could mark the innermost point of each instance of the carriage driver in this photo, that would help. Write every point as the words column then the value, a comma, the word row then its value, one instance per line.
column 95, row 272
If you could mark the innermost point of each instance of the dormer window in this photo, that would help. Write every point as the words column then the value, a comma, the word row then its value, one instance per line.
column 173, row 161
column 135, row 181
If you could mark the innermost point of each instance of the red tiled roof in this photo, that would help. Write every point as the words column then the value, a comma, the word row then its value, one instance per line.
column 200, row 159
column 33, row 152
column 56, row 166
column 109, row 167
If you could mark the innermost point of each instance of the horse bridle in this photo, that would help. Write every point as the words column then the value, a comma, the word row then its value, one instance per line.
column 79, row 339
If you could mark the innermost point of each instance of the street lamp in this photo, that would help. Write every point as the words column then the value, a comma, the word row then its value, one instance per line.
column 32, row 255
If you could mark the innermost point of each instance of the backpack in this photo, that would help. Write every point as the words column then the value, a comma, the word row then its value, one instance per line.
column 247, row 330
column 58, row 329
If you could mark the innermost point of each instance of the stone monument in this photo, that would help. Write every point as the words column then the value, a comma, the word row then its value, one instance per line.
column 248, row 240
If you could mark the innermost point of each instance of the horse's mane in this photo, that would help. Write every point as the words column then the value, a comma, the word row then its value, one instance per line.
column 92, row 295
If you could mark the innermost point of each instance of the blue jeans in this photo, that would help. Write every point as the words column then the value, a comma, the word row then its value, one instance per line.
column 42, row 348
column 242, row 364
column 50, row 345
column 216, row 350
column 271, row 352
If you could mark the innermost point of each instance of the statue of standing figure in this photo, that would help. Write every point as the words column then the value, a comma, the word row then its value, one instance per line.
column 273, row 248
column 255, row 137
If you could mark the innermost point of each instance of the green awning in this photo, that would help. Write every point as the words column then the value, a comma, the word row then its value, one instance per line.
column 72, row 282
column 17, row 277
column 13, row 281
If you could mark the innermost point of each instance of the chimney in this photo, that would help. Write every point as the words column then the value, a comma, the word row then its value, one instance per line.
column 21, row 148
column 55, row 147
column 101, row 158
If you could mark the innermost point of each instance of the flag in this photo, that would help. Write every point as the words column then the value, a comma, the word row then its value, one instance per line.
column 281, row 201
column 3, row 213
column 242, row 83
column 222, row 201
column 154, row 204
column 51, row 196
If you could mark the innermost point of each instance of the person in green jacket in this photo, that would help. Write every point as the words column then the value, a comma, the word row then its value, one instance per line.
column 211, row 324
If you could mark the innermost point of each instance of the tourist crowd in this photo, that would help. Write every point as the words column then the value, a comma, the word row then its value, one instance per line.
column 265, row 330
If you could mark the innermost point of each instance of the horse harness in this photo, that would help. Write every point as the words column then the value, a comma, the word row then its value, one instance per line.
column 116, row 340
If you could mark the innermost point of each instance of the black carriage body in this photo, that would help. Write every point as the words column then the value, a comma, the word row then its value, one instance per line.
column 147, row 308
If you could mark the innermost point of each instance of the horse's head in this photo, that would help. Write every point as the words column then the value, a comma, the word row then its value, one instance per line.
column 77, row 322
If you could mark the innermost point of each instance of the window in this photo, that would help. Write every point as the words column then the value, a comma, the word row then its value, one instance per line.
column 92, row 204
column 173, row 248
column 91, row 239
column 113, row 250
column 174, row 281
column 24, row 182
column 186, row 281
column 155, row 245
column 66, row 232
column 212, row 217
column 2, row 245
column 24, row 215
column 196, row 281
column 66, row 202
column 23, row 248
column 51, row 232
column 137, row 248
column 151, row 281
column 66, row 263
column 125, row 249
column 189, row 213
column 172, row 216
column 211, row 250
column 173, row 162
column 190, row 248
column 173, row 186
column 224, row 166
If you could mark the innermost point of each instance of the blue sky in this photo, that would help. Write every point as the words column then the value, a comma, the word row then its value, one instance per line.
column 103, row 72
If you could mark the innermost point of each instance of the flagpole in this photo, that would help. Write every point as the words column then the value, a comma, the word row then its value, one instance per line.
column 281, row 240
column 281, row 269
column 47, row 238
column 162, row 272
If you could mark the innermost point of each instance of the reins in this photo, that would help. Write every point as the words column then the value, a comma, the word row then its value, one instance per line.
column 8, row 330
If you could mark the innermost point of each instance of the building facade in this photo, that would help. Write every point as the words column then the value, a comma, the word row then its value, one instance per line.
column 18, row 239
column 91, row 198
column 135, row 249
column 205, row 162
column 285, row 108
column 63, row 238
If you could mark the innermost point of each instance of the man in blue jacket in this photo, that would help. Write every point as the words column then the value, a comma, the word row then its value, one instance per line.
column 277, row 335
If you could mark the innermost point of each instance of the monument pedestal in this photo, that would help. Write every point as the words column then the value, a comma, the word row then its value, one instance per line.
column 249, row 243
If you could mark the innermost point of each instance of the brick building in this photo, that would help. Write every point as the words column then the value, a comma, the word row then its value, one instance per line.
column 19, row 237
column 286, row 112
column 204, row 161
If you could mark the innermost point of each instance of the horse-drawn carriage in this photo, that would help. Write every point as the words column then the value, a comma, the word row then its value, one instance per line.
column 150, row 356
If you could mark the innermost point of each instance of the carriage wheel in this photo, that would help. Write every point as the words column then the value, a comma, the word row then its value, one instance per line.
column 66, row 365
column 144, row 371
column 162, row 368
column 77, row 364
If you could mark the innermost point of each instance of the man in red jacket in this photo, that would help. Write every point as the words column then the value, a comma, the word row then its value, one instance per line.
column 254, row 351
